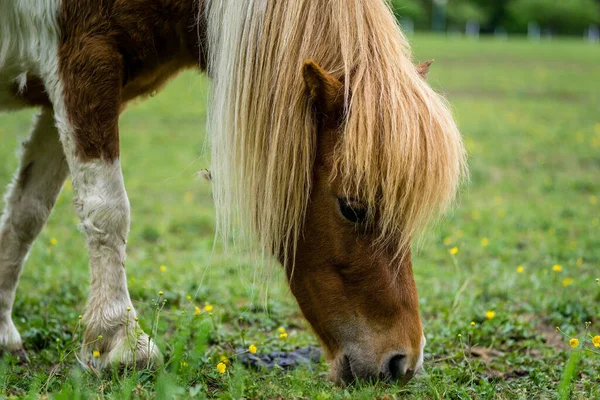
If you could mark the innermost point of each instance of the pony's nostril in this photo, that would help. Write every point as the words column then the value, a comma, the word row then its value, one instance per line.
column 346, row 374
column 397, row 366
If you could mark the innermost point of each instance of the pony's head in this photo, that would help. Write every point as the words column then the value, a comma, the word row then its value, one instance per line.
column 332, row 167
column 358, row 294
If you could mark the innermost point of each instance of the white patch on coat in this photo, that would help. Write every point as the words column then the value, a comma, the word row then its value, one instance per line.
column 419, row 362
column 103, row 209
column 29, row 35
column 28, row 203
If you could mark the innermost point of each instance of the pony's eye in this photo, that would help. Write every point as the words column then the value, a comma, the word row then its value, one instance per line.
column 353, row 211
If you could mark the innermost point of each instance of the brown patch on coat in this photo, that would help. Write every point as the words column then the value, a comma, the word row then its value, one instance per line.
column 33, row 93
column 112, row 51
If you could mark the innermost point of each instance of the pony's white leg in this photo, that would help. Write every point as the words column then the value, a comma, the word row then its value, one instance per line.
column 103, row 210
column 29, row 201
column 87, row 102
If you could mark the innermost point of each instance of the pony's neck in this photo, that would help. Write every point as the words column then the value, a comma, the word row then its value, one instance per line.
column 159, row 40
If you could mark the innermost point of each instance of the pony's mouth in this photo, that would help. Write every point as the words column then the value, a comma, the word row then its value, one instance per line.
column 350, row 371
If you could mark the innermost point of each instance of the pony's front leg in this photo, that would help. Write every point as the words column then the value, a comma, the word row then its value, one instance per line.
column 103, row 210
column 87, row 114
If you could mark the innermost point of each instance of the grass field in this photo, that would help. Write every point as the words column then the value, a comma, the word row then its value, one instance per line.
column 530, row 116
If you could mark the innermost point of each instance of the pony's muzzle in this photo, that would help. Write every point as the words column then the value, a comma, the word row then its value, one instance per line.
column 396, row 367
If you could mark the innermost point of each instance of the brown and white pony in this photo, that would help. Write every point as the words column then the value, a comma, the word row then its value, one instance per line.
column 328, row 148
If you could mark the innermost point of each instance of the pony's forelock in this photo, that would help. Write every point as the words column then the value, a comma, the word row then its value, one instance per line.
column 400, row 149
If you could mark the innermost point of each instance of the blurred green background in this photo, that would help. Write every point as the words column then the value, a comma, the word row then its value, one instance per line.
column 564, row 17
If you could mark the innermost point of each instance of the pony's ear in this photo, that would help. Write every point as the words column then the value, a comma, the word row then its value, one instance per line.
column 423, row 68
column 324, row 90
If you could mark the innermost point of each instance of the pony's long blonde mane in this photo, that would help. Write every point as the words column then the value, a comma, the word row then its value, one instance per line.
column 400, row 148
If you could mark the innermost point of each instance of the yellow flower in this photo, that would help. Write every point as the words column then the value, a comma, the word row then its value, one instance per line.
column 283, row 336
column 593, row 200
column 485, row 241
column 53, row 242
column 163, row 268
column 252, row 349
column 557, row 268
column 281, row 329
column 208, row 307
column 490, row 314
column 520, row 269
column 472, row 323
column 161, row 293
column 96, row 354
column 221, row 367
column 567, row 281
column 453, row 250
column 475, row 215
column 197, row 311
column 183, row 364
column 224, row 359
column 447, row 241
column 596, row 340
column 188, row 297
column 579, row 261
column 574, row 342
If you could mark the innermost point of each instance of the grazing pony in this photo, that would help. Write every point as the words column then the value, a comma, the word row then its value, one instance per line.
column 329, row 149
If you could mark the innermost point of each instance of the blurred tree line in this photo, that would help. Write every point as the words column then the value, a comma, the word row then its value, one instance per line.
column 568, row 17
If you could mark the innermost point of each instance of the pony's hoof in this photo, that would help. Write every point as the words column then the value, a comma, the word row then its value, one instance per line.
column 20, row 354
column 127, row 353
column 10, row 341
